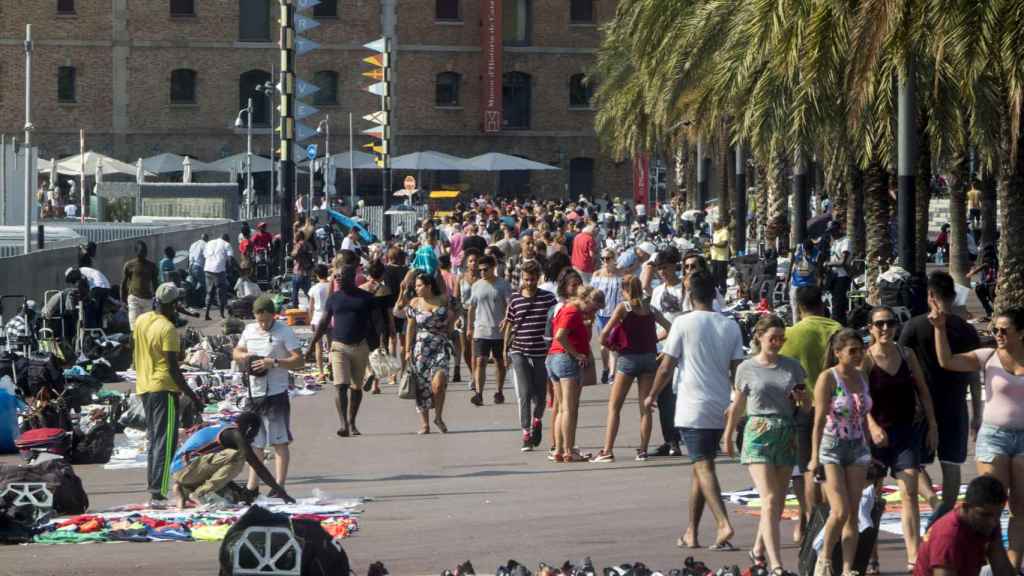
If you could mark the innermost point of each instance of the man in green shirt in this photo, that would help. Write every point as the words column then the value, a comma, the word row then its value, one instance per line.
column 807, row 342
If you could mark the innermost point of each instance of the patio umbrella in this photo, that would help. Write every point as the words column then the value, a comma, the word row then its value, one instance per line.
column 428, row 160
column 140, row 174
column 72, row 165
column 360, row 160
column 53, row 173
column 330, row 173
column 97, row 177
column 186, row 170
column 259, row 163
column 498, row 162
column 167, row 163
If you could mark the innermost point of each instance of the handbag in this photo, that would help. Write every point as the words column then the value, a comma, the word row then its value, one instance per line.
column 383, row 365
column 618, row 339
column 407, row 385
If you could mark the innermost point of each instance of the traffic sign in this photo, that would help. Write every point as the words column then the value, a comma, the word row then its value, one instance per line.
column 311, row 151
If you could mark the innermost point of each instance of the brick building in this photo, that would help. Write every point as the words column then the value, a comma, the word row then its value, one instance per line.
column 149, row 76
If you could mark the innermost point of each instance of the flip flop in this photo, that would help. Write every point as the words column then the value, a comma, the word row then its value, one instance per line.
column 681, row 544
column 725, row 546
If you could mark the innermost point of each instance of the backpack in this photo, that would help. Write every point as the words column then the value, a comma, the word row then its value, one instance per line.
column 69, row 496
column 273, row 543
column 95, row 447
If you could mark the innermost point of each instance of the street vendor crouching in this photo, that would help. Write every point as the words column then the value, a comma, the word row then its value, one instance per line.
column 213, row 456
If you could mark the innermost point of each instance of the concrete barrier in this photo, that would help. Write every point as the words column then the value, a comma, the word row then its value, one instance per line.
column 33, row 274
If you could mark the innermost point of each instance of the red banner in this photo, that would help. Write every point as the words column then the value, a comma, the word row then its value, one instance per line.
column 490, row 76
column 641, row 179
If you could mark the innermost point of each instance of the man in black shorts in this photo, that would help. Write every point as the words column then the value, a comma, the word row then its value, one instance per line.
column 487, row 307
column 948, row 389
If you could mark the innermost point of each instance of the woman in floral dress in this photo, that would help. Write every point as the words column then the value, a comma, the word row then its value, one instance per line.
column 428, row 346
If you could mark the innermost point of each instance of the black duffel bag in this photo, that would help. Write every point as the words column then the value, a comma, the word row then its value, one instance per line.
column 95, row 447
column 865, row 544
column 317, row 554
column 69, row 496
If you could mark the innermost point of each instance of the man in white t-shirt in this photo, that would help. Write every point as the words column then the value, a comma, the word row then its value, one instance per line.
column 266, row 350
column 351, row 241
column 667, row 298
column 701, row 352
column 71, row 210
column 215, row 266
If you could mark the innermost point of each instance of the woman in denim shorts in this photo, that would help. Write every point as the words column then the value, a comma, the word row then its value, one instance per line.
column 568, row 356
column 638, row 360
column 768, row 392
column 1000, row 447
column 842, row 402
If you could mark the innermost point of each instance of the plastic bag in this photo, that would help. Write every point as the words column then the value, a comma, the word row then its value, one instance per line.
column 384, row 366
column 135, row 415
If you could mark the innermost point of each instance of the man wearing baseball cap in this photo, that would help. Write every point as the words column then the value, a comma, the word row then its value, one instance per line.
column 158, row 383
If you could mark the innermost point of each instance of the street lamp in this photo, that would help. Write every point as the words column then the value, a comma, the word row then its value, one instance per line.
column 324, row 128
column 247, row 194
column 270, row 90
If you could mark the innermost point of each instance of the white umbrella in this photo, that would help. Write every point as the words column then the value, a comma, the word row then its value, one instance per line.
column 140, row 173
column 166, row 163
column 428, row 160
column 259, row 163
column 53, row 173
column 498, row 162
column 330, row 173
column 186, row 172
column 97, row 177
column 360, row 160
column 72, row 165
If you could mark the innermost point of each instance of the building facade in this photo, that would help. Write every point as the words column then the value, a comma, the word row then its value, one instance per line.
column 143, row 77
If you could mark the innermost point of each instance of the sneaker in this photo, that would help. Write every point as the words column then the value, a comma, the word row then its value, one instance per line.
column 641, row 455
column 554, row 456
column 527, row 442
column 603, row 456
column 674, row 450
column 663, row 450
column 477, row 399
column 604, row 376
column 499, row 398
column 536, row 432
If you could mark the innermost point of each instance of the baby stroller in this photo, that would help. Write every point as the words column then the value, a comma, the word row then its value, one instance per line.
column 18, row 331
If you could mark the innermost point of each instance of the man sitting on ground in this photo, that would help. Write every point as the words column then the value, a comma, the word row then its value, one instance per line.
column 213, row 456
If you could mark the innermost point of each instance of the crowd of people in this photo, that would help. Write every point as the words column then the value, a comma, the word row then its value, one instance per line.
column 806, row 402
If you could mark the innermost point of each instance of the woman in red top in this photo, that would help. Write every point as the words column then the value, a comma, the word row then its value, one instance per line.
column 638, row 360
column 567, row 358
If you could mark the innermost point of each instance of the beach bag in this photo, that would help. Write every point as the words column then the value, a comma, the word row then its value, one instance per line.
column 60, row 480
column 264, row 542
column 383, row 365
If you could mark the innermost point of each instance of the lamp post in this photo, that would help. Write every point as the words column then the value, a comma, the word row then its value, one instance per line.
column 247, row 194
column 28, row 141
column 324, row 128
column 270, row 91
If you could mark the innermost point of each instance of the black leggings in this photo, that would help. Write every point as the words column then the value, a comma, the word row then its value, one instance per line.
column 986, row 293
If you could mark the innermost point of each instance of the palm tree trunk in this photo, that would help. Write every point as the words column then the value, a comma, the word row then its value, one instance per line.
column 957, row 240
column 776, row 233
column 728, row 183
column 922, row 195
column 855, row 224
column 1010, row 288
column 989, row 218
column 761, row 209
column 878, row 248
column 681, row 170
column 836, row 174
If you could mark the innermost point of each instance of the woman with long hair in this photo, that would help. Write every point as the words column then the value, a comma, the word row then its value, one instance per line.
column 608, row 280
column 469, row 275
column 842, row 401
column 1000, row 444
column 384, row 319
column 430, row 321
column 567, row 284
column 568, row 357
column 769, row 389
column 637, row 360
column 453, row 288
column 897, row 383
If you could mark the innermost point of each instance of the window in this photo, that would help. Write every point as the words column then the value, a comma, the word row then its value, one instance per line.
column 447, row 89
column 183, row 8
column 254, row 20
column 65, row 6
column 581, row 11
column 448, row 10
column 247, row 84
column 516, row 22
column 581, row 177
column 580, row 91
column 326, row 9
column 327, row 81
column 515, row 97
column 183, row 86
column 66, row 84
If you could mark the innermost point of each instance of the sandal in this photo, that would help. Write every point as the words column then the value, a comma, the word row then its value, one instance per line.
column 603, row 456
column 575, row 457
column 424, row 431
column 554, row 456
column 724, row 546
column 873, row 569
column 756, row 560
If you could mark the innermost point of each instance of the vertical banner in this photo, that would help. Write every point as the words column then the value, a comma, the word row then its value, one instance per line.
column 641, row 179
column 490, row 76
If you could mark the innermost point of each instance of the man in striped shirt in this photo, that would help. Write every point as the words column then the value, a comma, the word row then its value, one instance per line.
column 525, row 320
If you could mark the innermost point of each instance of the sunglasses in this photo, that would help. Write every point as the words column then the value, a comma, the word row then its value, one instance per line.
column 1000, row 331
column 691, row 266
column 885, row 323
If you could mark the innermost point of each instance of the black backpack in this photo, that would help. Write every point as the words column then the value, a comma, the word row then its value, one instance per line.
column 317, row 554
column 96, row 447
column 69, row 496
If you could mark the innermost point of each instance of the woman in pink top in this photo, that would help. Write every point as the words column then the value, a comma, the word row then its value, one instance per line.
column 1000, row 442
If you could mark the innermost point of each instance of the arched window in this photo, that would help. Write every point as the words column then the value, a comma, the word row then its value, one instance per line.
column 581, row 11
column 447, row 10
column 581, row 177
column 247, row 84
column 515, row 96
column 447, row 89
column 183, row 86
column 517, row 18
column 66, row 84
column 183, row 8
column 580, row 91
column 326, row 9
column 327, row 81
column 254, row 20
